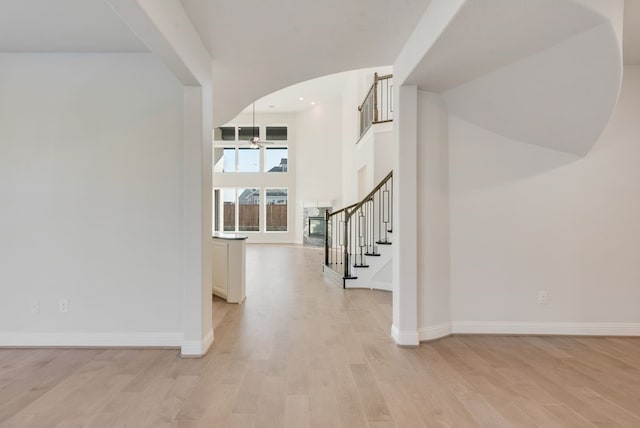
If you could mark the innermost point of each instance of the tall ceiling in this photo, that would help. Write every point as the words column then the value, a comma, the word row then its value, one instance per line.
column 261, row 46
column 64, row 26
column 302, row 96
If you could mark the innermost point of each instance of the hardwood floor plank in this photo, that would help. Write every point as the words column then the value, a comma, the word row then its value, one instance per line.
column 272, row 403
column 248, row 398
column 322, row 399
column 218, row 407
column 350, row 409
column 297, row 414
column 402, row 407
column 375, row 406
column 20, row 394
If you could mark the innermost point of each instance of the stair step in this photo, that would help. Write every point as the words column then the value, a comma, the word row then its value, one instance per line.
column 390, row 230
column 361, row 266
column 372, row 254
column 350, row 277
column 383, row 242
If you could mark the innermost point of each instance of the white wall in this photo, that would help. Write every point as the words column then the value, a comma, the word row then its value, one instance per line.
column 267, row 180
column 373, row 154
column 91, row 191
column 319, row 157
column 374, row 150
column 383, row 151
column 526, row 218
column 350, row 134
column 434, row 291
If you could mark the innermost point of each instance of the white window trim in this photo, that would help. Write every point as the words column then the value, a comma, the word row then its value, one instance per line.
column 265, row 210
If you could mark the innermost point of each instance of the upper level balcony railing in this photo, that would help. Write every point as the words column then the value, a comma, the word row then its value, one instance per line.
column 377, row 106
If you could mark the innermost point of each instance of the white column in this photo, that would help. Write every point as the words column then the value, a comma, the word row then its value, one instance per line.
column 405, row 260
column 196, row 295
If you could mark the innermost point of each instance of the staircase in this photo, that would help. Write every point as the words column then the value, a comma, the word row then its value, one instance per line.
column 358, row 241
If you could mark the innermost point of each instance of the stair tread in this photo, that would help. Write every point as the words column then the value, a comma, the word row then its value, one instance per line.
column 360, row 266
column 383, row 242
column 372, row 254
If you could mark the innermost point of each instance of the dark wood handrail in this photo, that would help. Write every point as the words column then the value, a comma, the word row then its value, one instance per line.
column 350, row 240
column 366, row 198
column 343, row 209
column 376, row 79
column 366, row 97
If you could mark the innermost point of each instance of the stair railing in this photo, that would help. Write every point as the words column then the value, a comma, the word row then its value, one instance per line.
column 354, row 233
column 377, row 106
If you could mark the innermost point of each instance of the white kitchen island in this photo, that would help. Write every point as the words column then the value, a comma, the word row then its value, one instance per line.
column 229, row 256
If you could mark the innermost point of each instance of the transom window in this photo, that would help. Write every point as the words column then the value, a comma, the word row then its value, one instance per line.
column 230, row 155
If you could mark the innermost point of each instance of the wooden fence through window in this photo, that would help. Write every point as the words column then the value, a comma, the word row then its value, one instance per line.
column 249, row 218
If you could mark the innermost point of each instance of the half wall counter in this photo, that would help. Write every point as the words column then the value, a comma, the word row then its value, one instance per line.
column 229, row 259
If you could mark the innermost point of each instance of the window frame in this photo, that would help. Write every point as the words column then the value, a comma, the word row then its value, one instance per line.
column 265, row 209
column 264, row 163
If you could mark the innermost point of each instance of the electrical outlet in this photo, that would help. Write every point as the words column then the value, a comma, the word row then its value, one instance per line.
column 35, row 306
column 543, row 297
column 63, row 305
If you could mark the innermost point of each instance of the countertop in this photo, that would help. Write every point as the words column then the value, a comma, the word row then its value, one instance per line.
column 229, row 236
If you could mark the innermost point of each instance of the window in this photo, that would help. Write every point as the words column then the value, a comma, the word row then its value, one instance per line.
column 224, row 159
column 276, row 133
column 248, row 160
column 249, row 210
column 276, row 159
column 242, row 158
column 276, row 210
column 224, row 133
column 224, row 210
column 248, row 132
column 252, row 207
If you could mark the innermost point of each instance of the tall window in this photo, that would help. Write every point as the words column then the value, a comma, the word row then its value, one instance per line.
column 276, row 159
column 277, row 203
column 236, row 210
column 248, row 160
column 246, row 206
column 224, row 159
column 249, row 210
column 224, row 210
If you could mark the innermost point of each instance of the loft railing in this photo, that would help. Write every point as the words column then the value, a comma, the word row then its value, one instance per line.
column 377, row 106
column 354, row 233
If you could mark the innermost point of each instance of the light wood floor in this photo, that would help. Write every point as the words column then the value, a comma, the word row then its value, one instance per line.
column 303, row 353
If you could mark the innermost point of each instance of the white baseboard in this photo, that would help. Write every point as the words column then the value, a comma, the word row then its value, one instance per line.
column 332, row 276
column 404, row 338
column 371, row 285
column 544, row 328
column 197, row 348
column 434, row 332
column 138, row 339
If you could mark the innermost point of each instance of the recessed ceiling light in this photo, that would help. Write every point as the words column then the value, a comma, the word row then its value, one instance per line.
column 313, row 103
column 301, row 98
